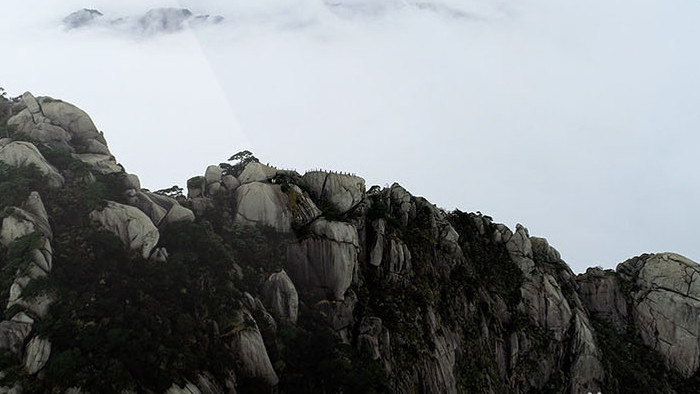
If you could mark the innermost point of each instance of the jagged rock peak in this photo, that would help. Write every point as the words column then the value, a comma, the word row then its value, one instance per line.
column 81, row 18
column 154, row 21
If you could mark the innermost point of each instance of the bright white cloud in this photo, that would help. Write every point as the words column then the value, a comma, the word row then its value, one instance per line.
column 576, row 118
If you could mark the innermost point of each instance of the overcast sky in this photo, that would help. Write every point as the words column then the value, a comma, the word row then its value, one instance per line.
column 578, row 119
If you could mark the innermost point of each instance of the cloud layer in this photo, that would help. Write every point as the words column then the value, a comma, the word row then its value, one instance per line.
column 578, row 119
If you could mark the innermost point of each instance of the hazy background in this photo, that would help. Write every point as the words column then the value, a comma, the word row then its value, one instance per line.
column 578, row 119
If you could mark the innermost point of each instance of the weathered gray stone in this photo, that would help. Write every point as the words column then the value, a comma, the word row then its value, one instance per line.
column 280, row 297
column 303, row 209
column 160, row 255
column 263, row 204
column 143, row 202
column 22, row 154
column 37, row 354
column 100, row 163
column 368, row 339
column 325, row 263
column 230, row 182
column 43, row 256
column 601, row 293
column 132, row 181
column 545, row 303
column 16, row 225
column 131, row 225
column 666, row 305
column 59, row 124
column 161, row 209
column 196, row 187
column 32, row 122
column 178, row 213
column 401, row 204
column 543, row 252
column 248, row 346
column 587, row 372
column 14, row 332
column 339, row 315
column 256, row 172
column 96, row 147
column 188, row 388
column 399, row 258
column 201, row 204
column 519, row 247
column 377, row 250
column 38, row 305
column 207, row 384
column 342, row 191
column 72, row 119
column 213, row 174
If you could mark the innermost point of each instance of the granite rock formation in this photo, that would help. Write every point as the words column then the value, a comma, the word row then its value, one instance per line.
column 267, row 280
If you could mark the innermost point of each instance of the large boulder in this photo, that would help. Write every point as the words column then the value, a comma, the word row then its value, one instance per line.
column 36, row 355
column 143, row 202
column 72, row 119
column 280, row 297
column 248, row 346
column 324, row 264
column 666, row 300
column 22, row 154
column 161, row 209
column 13, row 332
column 59, row 124
column 131, row 225
column 256, row 172
column 401, row 203
column 303, row 209
column 343, row 191
column 263, row 204
column 20, row 222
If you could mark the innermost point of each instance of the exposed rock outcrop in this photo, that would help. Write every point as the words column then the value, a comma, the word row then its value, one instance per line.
column 31, row 222
column 256, row 172
column 601, row 292
column 249, row 346
column 160, row 209
column 58, row 124
column 666, row 300
column 37, row 354
column 280, row 297
column 22, row 154
column 13, row 332
column 324, row 264
column 341, row 190
column 132, row 226
column 263, row 204
column 81, row 18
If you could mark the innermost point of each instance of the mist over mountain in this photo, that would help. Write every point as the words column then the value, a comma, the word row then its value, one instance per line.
column 259, row 279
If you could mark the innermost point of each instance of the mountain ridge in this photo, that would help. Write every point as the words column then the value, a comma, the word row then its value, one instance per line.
column 262, row 279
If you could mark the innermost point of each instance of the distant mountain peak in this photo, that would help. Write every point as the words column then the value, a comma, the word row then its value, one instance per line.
column 154, row 21
column 81, row 18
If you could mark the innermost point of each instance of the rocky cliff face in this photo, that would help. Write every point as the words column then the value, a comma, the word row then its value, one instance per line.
column 266, row 280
